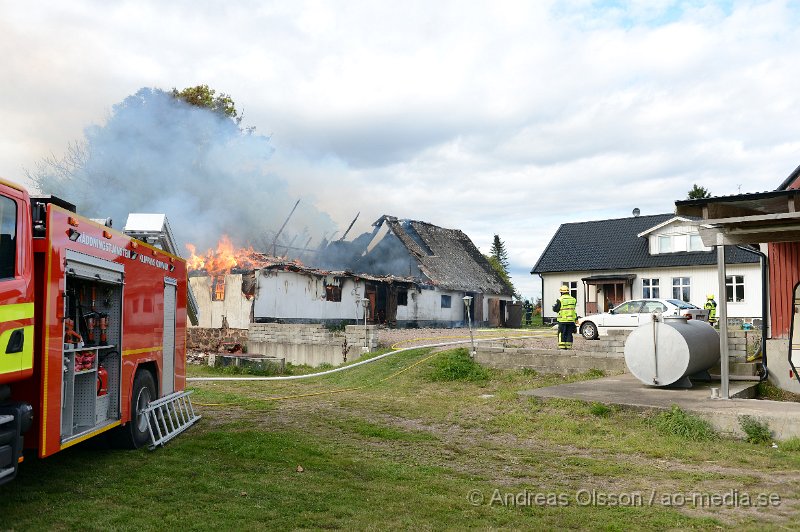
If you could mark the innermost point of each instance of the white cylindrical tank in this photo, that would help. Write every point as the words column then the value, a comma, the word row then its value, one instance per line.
column 671, row 348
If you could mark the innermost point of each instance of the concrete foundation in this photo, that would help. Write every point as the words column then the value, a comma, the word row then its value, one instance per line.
column 780, row 372
column 562, row 362
column 311, row 344
column 626, row 391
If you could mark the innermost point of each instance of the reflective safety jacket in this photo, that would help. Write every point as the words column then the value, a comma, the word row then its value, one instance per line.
column 565, row 306
column 711, row 307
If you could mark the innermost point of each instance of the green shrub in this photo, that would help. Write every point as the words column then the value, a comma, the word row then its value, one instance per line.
column 599, row 410
column 757, row 431
column 529, row 372
column 336, row 327
column 678, row 422
column 266, row 369
column 456, row 365
column 595, row 373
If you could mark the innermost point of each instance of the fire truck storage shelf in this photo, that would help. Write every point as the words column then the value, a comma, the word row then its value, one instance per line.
column 93, row 302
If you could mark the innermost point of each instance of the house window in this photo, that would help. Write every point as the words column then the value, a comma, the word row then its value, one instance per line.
column 696, row 243
column 402, row 298
column 218, row 288
column 8, row 237
column 650, row 288
column 333, row 293
column 445, row 301
column 664, row 244
column 573, row 287
column 734, row 288
column 680, row 288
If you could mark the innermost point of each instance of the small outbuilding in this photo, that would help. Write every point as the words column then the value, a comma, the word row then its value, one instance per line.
column 771, row 221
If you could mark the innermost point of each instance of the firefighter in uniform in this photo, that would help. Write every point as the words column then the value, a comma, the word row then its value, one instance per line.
column 711, row 307
column 565, row 306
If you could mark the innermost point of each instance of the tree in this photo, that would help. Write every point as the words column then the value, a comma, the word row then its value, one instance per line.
column 203, row 96
column 498, row 251
column 497, row 267
column 698, row 192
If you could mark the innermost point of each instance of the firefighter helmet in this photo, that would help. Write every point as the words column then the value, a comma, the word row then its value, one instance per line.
column 710, row 296
column 564, row 289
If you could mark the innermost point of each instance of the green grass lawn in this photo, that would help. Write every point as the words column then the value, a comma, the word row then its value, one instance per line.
column 441, row 445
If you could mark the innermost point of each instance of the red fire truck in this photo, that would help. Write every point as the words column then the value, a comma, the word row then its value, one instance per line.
column 92, row 332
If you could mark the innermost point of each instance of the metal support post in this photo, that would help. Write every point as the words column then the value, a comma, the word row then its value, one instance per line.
column 722, row 317
column 467, row 301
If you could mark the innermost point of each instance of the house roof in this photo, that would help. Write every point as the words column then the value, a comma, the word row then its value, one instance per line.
column 664, row 223
column 446, row 256
column 789, row 182
column 614, row 245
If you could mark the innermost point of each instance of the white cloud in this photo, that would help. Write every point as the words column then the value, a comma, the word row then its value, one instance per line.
column 493, row 117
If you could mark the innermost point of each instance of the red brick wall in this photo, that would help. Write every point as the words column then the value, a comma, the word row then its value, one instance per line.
column 204, row 339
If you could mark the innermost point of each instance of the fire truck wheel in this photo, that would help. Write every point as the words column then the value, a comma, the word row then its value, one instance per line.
column 144, row 391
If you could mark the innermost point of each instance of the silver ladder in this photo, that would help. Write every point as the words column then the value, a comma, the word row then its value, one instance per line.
column 8, row 470
column 169, row 416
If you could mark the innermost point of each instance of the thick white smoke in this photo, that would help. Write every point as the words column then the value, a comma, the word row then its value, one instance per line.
column 159, row 154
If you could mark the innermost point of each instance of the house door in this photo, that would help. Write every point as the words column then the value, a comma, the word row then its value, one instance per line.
column 378, row 296
column 477, row 304
column 613, row 295
column 371, row 294
column 494, row 312
column 391, row 306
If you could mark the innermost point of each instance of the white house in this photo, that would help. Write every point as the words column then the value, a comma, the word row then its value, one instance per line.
column 606, row 262
column 417, row 276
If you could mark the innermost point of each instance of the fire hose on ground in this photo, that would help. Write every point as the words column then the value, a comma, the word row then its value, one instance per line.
column 350, row 366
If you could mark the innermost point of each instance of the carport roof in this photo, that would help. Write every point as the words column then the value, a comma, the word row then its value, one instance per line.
column 747, row 218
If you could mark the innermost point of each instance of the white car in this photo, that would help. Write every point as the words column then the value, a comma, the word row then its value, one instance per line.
column 631, row 314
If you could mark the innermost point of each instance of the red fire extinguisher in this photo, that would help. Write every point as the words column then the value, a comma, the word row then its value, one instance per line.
column 102, row 381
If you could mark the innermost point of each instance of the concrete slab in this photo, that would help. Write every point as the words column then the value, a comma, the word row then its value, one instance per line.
column 628, row 392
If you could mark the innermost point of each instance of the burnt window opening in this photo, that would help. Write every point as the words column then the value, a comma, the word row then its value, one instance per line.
column 445, row 301
column 333, row 293
column 402, row 298
column 218, row 288
column 249, row 284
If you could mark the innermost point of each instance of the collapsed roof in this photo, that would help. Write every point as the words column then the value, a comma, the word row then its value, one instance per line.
column 430, row 254
column 396, row 251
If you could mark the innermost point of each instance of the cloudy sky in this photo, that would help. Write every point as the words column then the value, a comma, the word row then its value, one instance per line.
column 494, row 117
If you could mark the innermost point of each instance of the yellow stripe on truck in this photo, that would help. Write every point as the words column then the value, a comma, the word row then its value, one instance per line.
column 20, row 311
column 12, row 362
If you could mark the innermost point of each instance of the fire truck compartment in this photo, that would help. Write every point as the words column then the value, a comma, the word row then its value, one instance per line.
column 92, row 336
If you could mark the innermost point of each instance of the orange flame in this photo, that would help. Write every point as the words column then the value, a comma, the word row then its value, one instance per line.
column 224, row 258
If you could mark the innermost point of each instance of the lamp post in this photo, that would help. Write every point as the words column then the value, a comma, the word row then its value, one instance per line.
column 467, row 302
column 365, row 303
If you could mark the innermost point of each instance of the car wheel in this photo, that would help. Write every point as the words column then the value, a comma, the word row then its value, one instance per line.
column 589, row 330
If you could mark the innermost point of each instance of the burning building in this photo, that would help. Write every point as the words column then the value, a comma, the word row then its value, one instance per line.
column 406, row 273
